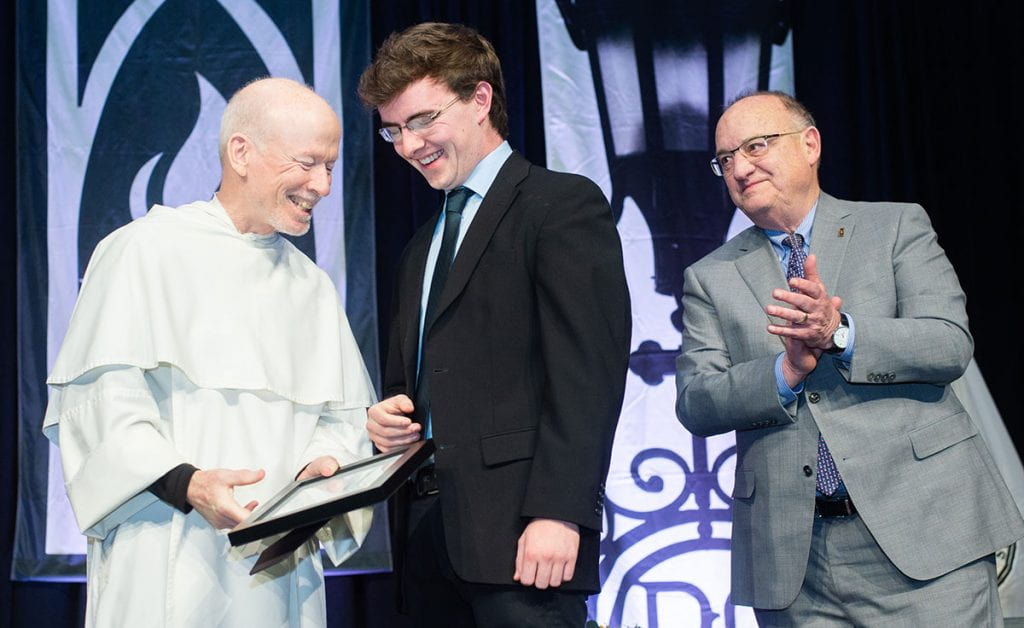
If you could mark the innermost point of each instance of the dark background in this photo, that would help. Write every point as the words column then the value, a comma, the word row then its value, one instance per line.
column 914, row 102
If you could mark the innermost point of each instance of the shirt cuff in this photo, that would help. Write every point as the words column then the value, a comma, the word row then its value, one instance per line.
column 172, row 487
column 787, row 395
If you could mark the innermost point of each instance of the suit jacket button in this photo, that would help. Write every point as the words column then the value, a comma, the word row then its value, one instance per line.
column 814, row 397
column 871, row 377
column 890, row 377
column 808, row 471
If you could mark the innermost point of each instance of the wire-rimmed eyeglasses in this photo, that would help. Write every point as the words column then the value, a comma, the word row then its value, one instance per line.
column 754, row 148
column 393, row 132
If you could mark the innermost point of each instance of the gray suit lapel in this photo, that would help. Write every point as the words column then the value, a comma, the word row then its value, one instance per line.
column 833, row 230
column 759, row 266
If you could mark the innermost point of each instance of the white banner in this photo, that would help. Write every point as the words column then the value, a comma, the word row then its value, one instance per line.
column 631, row 102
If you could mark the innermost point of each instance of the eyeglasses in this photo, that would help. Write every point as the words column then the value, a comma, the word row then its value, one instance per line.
column 393, row 133
column 754, row 148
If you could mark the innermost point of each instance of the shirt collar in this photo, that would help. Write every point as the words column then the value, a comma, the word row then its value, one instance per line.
column 805, row 228
column 483, row 175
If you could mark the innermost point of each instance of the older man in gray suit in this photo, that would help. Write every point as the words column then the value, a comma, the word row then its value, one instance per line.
column 826, row 336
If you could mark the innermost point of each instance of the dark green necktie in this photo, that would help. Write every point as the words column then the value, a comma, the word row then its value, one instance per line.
column 454, row 205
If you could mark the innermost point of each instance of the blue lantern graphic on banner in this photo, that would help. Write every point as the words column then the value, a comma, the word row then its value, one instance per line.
column 630, row 100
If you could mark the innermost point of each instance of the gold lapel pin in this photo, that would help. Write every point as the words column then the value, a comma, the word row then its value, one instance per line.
column 842, row 231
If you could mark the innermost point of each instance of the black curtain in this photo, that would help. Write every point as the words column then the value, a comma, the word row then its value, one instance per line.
column 917, row 101
column 914, row 101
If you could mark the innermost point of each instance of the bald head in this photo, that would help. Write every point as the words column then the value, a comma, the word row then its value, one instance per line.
column 278, row 144
column 259, row 109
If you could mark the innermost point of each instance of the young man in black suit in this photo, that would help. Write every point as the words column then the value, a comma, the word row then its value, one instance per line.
column 509, row 347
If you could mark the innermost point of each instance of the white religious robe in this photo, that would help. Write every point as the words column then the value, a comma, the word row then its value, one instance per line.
column 191, row 342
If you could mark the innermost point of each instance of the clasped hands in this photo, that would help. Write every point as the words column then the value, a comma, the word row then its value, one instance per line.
column 812, row 317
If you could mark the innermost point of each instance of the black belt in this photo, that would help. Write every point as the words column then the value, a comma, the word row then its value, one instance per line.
column 424, row 482
column 827, row 507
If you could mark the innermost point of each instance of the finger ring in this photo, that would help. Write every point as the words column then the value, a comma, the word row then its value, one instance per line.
column 804, row 319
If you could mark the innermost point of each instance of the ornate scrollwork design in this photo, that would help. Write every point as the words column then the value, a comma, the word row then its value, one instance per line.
column 637, row 540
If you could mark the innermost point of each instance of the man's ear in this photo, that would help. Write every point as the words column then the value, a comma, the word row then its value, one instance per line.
column 482, row 100
column 811, row 144
column 238, row 153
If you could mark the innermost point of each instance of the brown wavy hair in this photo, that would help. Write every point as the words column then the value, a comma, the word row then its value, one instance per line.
column 454, row 55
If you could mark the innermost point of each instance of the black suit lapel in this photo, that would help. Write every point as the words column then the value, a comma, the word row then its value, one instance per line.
column 494, row 207
column 412, row 296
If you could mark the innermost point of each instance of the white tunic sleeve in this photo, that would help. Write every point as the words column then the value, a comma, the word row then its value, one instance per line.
column 113, row 445
column 341, row 434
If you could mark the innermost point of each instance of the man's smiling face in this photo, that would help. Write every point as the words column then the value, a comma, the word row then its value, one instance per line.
column 446, row 152
column 778, row 189
column 291, row 170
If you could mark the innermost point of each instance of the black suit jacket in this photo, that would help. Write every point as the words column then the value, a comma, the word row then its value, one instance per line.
column 527, row 360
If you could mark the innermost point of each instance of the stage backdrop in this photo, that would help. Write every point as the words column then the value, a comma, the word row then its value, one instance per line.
column 117, row 104
column 119, row 108
column 631, row 96
column 630, row 100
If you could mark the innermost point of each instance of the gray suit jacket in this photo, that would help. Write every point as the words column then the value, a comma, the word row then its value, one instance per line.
column 921, row 477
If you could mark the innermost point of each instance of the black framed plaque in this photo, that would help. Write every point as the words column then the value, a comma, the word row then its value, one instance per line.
column 302, row 506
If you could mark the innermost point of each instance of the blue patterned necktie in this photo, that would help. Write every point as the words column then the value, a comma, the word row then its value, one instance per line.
column 828, row 479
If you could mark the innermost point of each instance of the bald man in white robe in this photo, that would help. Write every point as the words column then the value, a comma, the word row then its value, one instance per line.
column 207, row 364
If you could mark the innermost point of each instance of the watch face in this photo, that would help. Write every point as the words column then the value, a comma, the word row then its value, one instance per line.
column 840, row 337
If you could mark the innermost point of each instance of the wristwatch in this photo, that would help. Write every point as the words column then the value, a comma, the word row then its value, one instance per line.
column 841, row 336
